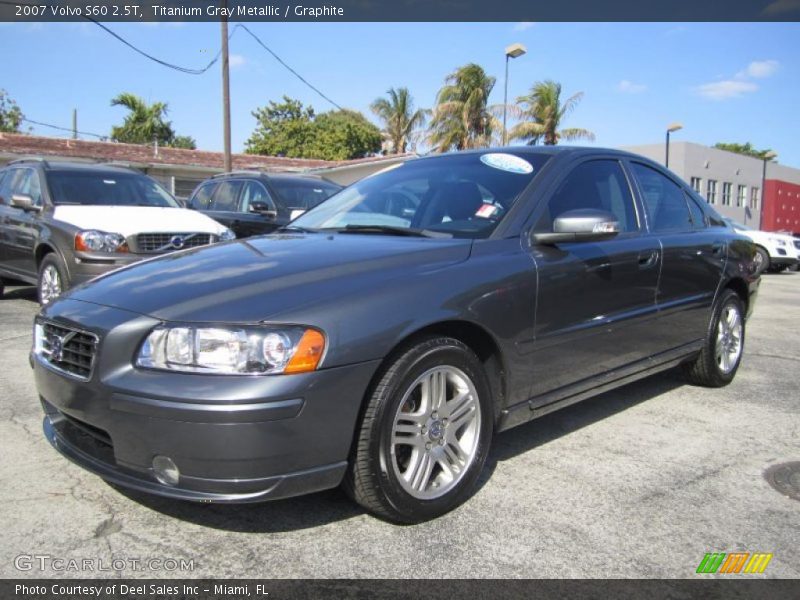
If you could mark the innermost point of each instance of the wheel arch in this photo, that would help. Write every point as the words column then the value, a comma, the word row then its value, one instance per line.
column 738, row 285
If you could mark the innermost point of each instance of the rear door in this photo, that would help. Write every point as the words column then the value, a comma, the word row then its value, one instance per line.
column 595, row 300
column 694, row 256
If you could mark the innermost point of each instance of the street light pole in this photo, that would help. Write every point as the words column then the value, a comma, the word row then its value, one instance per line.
column 670, row 129
column 226, row 94
column 513, row 51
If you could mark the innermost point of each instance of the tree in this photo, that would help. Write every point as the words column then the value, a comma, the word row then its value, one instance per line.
column 462, row 118
column 399, row 117
column 292, row 130
column 10, row 114
column 541, row 113
column 747, row 149
column 146, row 123
column 283, row 129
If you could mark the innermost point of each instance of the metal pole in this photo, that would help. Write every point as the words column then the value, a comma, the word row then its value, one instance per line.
column 666, row 159
column 763, row 193
column 74, row 123
column 505, row 105
column 226, row 94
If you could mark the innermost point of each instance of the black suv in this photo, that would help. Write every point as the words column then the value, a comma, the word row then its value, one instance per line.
column 253, row 203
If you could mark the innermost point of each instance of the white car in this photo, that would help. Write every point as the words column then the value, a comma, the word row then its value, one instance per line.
column 776, row 251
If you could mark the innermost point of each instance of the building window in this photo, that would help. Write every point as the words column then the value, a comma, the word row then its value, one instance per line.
column 741, row 195
column 726, row 193
column 697, row 184
column 711, row 191
column 754, row 198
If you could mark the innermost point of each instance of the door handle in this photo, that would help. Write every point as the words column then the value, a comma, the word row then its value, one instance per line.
column 648, row 259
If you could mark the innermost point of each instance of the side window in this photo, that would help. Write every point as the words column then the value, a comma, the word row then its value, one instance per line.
column 201, row 199
column 255, row 192
column 6, row 177
column 27, row 182
column 598, row 184
column 664, row 200
column 226, row 198
column 699, row 220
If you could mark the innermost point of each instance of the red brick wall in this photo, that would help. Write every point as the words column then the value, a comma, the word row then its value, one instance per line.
column 781, row 206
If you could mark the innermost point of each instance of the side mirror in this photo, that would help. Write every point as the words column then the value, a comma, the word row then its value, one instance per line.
column 263, row 209
column 580, row 225
column 25, row 202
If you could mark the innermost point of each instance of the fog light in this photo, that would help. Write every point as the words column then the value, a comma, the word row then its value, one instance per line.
column 165, row 470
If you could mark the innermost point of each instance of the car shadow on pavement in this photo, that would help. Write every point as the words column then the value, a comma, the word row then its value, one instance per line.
column 330, row 506
column 26, row 292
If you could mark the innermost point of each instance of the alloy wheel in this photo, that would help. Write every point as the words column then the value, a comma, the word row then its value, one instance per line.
column 728, row 347
column 51, row 284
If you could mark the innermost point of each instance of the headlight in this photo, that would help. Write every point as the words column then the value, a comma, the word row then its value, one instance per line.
column 99, row 241
column 227, row 236
column 232, row 351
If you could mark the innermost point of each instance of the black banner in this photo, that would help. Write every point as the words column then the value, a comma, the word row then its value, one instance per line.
column 429, row 589
column 400, row 10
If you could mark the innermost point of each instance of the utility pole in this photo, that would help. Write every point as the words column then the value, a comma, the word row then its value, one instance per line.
column 74, row 123
column 226, row 93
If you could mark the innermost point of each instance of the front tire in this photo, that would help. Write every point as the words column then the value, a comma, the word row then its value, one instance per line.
column 761, row 260
column 425, row 433
column 717, row 363
column 52, row 279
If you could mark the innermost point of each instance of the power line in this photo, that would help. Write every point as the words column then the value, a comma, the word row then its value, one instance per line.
column 290, row 69
column 69, row 129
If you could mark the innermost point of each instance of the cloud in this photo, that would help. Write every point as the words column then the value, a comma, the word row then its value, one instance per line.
column 524, row 25
column 728, row 88
column 741, row 83
column 629, row 87
column 758, row 69
column 782, row 6
column 236, row 60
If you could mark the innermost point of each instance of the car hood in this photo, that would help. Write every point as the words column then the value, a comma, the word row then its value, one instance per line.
column 130, row 220
column 258, row 279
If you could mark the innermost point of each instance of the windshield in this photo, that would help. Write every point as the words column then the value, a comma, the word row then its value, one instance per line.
column 107, row 189
column 463, row 195
column 303, row 193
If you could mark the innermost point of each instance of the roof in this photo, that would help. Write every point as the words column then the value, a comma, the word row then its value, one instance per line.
column 19, row 145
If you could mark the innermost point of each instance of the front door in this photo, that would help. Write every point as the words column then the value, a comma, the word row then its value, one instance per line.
column 21, row 226
column 595, row 300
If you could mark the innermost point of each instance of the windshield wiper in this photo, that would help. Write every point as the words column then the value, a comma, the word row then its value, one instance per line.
column 390, row 230
column 295, row 228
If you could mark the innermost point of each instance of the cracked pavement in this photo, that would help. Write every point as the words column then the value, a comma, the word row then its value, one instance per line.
column 639, row 482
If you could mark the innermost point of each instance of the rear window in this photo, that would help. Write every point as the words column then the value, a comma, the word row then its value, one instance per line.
column 303, row 193
column 95, row 188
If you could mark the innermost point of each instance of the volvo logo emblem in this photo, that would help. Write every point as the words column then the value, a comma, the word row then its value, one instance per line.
column 177, row 242
column 57, row 346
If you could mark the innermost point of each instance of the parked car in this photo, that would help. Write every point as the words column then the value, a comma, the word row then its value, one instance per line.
column 776, row 252
column 62, row 224
column 254, row 203
column 384, row 351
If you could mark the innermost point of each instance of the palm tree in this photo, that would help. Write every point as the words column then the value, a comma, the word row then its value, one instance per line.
column 144, row 123
column 542, row 112
column 462, row 118
column 399, row 117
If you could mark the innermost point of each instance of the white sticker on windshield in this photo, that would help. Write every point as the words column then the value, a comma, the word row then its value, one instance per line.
column 507, row 162
column 109, row 181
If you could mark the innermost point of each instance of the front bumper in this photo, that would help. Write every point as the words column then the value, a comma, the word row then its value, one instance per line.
column 85, row 266
column 234, row 439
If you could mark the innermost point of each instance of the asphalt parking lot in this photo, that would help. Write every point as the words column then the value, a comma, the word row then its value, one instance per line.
column 639, row 482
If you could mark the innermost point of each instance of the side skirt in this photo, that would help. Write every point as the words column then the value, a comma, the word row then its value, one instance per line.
column 543, row 404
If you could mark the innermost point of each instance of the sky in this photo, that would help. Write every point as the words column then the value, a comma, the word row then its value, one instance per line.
column 737, row 82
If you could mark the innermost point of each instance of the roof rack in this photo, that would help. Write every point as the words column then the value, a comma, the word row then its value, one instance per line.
column 239, row 172
column 38, row 159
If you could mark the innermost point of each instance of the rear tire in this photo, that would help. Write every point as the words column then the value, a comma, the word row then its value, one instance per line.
column 53, row 280
column 425, row 433
column 717, row 363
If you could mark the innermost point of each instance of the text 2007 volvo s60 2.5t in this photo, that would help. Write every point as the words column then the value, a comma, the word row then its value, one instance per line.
column 383, row 338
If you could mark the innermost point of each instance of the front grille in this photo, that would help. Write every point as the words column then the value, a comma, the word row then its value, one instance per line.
column 69, row 350
column 155, row 243
column 88, row 439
